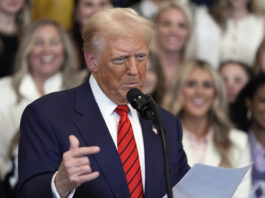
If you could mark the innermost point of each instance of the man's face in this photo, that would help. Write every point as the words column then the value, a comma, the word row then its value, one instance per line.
column 121, row 66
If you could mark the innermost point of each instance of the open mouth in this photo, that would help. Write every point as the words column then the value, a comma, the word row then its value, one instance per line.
column 46, row 59
column 198, row 102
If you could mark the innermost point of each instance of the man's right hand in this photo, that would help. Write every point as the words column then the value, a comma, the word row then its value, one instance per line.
column 75, row 167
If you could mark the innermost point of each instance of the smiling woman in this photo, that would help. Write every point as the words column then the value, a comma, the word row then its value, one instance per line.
column 173, row 39
column 45, row 63
column 198, row 97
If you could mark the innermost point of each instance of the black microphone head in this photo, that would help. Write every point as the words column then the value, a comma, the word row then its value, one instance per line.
column 134, row 94
column 140, row 102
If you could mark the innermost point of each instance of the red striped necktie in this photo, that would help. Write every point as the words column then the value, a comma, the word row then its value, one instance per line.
column 128, row 152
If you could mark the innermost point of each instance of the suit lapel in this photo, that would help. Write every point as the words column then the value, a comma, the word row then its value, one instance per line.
column 95, row 132
column 153, row 160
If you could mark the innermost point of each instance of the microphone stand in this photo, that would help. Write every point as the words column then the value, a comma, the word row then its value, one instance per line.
column 155, row 117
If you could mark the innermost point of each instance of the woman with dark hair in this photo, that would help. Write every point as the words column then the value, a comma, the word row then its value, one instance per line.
column 155, row 81
column 236, row 75
column 83, row 10
column 251, row 118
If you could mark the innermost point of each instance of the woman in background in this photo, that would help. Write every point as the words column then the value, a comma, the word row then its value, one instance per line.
column 235, row 75
column 83, row 10
column 251, row 118
column 14, row 17
column 45, row 63
column 198, row 97
column 242, row 25
column 172, row 42
column 154, row 82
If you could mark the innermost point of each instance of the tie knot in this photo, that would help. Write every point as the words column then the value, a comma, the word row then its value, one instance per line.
column 122, row 110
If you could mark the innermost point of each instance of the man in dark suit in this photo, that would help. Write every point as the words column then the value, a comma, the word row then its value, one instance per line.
column 68, row 144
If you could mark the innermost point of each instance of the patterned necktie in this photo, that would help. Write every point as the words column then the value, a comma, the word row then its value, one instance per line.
column 128, row 152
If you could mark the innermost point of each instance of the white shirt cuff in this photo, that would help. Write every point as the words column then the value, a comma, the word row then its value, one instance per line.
column 54, row 190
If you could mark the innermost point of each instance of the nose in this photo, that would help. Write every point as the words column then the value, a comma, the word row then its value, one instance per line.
column 174, row 28
column 132, row 66
column 46, row 46
column 199, row 89
column 96, row 9
column 229, row 85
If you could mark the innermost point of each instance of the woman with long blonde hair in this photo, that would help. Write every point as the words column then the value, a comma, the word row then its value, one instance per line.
column 172, row 43
column 198, row 97
column 45, row 63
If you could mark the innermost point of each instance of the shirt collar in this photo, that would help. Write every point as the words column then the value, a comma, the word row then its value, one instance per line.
column 105, row 105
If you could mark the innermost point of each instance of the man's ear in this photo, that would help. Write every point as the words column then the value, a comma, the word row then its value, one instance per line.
column 91, row 62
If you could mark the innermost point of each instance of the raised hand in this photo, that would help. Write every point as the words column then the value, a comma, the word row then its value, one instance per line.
column 75, row 167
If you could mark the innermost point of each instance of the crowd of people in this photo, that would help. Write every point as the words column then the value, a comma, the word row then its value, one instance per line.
column 206, row 65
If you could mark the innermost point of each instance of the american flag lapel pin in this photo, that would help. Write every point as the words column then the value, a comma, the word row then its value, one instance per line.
column 154, row 129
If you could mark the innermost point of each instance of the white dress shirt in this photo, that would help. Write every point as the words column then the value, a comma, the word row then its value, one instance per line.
column 111, row 118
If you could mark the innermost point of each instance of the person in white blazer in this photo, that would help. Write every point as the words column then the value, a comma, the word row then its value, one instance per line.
column 198, row 97
column 45, row 63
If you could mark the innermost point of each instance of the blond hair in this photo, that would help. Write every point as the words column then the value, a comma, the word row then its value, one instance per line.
column 22, row 66
column 114, row 22
column 188, row 50
column 23, row 17
column 217, row 114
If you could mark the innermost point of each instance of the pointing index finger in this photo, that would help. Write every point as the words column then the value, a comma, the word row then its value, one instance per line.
column 83, row 151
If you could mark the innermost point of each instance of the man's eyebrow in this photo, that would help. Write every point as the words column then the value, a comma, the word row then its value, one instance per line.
column 121, row 56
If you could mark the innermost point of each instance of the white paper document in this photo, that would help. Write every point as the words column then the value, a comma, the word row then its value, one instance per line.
column 209, row 182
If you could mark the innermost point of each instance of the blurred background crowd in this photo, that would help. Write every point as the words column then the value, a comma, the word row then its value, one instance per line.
column 206, row 65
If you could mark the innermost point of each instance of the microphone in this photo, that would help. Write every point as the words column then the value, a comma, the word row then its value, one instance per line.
column 142, row 103
column 146, row 107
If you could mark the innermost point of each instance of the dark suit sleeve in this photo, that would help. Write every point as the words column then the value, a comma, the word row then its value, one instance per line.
column 39, row 155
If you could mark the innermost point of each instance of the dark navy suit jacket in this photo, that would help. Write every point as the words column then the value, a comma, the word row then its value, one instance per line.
column 45, row 128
